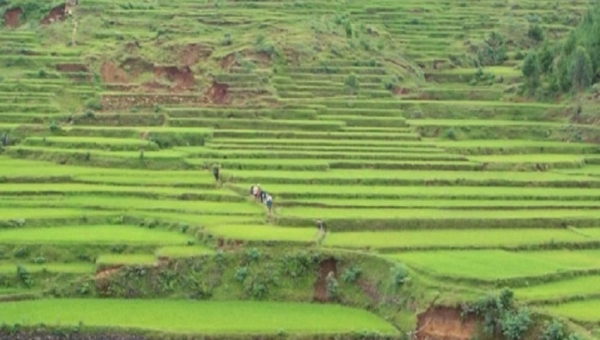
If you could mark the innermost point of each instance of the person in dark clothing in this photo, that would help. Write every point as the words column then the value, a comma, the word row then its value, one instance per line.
column 263, row 196
column 320, row 225
column 216, row 172
column 269, row 201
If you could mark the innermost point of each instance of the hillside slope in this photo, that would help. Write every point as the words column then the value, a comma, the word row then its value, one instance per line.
column 401, row 124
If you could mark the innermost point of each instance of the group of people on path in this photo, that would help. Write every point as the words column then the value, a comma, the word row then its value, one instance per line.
column 264, row 197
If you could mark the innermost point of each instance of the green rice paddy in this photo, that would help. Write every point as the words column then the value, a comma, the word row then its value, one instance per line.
column 187, row 317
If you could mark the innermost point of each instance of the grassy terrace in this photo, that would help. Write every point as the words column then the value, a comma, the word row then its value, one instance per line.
column 368, row 115
column 185, row 317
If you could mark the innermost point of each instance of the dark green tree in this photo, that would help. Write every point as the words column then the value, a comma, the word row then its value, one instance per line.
column 582, row 70
column 531, row 70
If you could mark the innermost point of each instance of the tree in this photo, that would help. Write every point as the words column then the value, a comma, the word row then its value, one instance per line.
column 582, row 70
column 546, row 58
column 492, row 51
column 531, row 70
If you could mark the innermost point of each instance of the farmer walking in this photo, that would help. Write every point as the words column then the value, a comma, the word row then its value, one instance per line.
column 216, row 172
column 321, row 232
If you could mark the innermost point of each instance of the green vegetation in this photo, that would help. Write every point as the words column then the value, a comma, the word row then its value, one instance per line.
column 90, row 234
column 586, row 311
column 450, row 148
column 196, row 317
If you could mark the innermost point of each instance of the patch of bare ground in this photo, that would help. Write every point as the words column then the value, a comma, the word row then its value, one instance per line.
column 228, row 62
column 104, row 273
column 320, row 291
column 58, row 13
column 12, row 17
column 194, row 53
column 439, row 64
column 182, row 77
column 261, row 58
column 445, row 323
column 219, row 93
column 110, row 73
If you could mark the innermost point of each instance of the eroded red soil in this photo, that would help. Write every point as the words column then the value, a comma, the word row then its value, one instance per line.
column 182, row 77
column 12, row 17
column 194, row 53
column 58, row 13
column 110, row 73
column 219, row 93
column 445, row 323
column 327, row 266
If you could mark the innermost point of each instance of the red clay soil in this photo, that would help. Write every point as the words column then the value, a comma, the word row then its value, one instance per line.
column 445, row 323
column 182, row 77
column 12, row 17
column 438, row 64
column 110, row 73
column 71, row 68
column 261, row 58
column 327, row 266
column 193, row 53
column 105, row 273
column 219, row 93
column 58, row 13
column 228, row 61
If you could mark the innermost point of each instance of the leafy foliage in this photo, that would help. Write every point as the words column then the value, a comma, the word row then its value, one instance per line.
column 515, row 324
column 553, row 330
column 572, row 65
column 351, row 274
column 492, row 51
column 399, row 275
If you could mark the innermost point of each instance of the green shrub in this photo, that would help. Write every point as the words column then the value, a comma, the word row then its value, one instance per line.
column 515, row 324
column 241, row 274
column 39, row 260
column 54, row 127
column 492, row 51
column 351, row 274
column 254, row 255
column 399, row 275
column 24, row 276
column 536, row 33
column 227, row 40
column 553, row 330
column 93, row 104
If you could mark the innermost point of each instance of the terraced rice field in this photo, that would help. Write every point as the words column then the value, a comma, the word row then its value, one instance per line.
column 112, row 145
column 185, row 317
